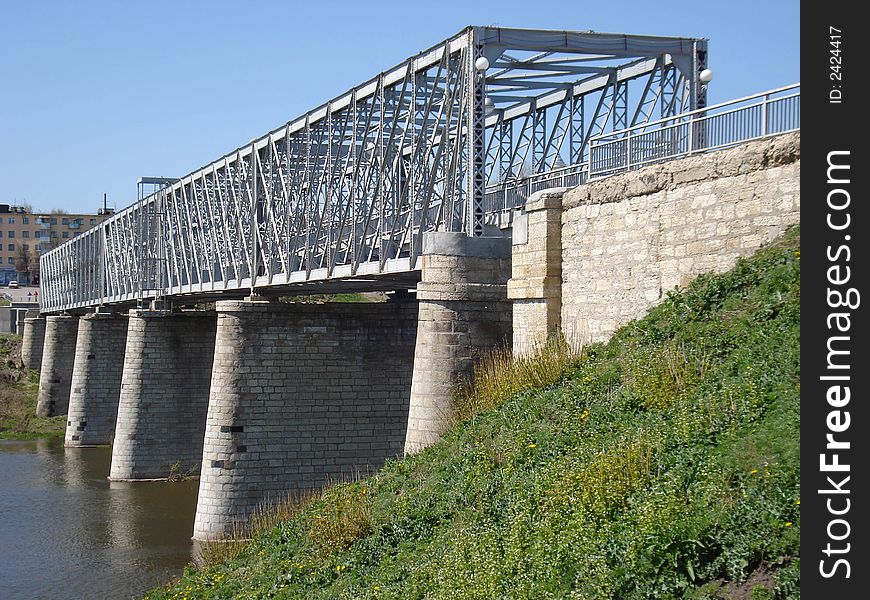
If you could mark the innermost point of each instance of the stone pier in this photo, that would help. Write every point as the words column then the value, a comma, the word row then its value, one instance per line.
column 464, row 312
column 535, row 287
column 55, row 375
column 301, row 395
column 164, row 394
column 96, row 380
column 33, row 340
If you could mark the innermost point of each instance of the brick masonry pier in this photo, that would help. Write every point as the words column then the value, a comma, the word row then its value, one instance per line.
column 58, row 356
column 164, row 394
column 96, row 380
column 301, row 395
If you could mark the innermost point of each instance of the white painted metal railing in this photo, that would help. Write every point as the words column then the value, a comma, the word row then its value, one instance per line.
column 711, row 128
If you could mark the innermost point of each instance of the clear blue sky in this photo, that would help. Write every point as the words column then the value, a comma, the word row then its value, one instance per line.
column 95, row 94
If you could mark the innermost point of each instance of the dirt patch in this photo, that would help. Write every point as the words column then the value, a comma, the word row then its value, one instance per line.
column 760, row 577
column 11, row 366
column 758, row 586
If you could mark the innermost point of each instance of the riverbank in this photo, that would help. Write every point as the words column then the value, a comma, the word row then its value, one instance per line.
column 18, row 390
column 664, row 464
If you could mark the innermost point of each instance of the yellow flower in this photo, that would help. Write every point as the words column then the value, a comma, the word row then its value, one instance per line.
column 788, row 523
column 753, row 471
column 532, row 445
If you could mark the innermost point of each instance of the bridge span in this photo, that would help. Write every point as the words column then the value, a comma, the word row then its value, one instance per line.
column 502, row 186
column 341, row 196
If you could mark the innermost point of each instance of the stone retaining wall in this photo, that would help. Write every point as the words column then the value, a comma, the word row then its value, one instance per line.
column 626, row 240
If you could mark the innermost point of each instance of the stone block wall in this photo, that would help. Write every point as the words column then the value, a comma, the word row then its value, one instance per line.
column 535, row 286
column 624, row 241
column 55, row 374
column 164, row 394
column 630, row 238
column 32, row 341
column 464, row 311
column 301, row 394
column 96, row 380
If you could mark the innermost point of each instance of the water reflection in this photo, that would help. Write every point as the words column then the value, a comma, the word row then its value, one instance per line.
column 67, row 532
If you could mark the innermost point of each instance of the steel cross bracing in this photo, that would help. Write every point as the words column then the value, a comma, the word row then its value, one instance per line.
column 347, row 190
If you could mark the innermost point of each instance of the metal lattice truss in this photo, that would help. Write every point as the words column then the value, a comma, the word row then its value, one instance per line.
column 347, row 190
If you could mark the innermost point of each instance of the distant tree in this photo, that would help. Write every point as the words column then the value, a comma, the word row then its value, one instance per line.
column 59, row 211
column 22, row 260
column 27, row 264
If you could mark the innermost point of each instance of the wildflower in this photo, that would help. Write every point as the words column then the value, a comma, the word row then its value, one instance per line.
column 532, row 445
column 753, row 471
column 788, row 523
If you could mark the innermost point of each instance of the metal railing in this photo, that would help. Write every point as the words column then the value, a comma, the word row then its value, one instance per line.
column 513, row 194
column 711, row 128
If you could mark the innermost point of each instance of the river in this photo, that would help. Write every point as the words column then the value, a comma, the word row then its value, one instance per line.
column 66, row 532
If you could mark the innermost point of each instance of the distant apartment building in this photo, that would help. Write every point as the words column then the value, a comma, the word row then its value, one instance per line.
column 25, row 236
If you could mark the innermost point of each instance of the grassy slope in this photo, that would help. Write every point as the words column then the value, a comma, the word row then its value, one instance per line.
column 18, row 389
column 664, row 466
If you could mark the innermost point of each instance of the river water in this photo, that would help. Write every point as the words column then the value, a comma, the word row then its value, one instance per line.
column 66, row 532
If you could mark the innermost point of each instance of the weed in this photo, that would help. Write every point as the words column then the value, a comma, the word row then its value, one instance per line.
column 499, row 375
column 265, row 517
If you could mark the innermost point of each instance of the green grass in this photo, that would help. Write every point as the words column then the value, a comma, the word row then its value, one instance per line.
column 18, row 390
column 664, row 464
column 325, row 298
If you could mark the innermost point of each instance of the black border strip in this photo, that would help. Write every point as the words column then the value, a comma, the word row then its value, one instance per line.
column 834, row 336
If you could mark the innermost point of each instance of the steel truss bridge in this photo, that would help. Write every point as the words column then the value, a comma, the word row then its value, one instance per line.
column 448, row 140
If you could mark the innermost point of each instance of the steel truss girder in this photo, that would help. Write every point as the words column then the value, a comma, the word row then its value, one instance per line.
column 350, row 187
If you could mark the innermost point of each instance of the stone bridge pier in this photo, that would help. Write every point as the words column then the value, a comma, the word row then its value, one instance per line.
column 33, row 340
column 58, row 355
column 464, row 312
column 96, row 379
column 163, row 394
column 301, row 395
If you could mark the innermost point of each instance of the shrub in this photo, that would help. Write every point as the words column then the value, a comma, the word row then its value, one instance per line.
column 499, row 375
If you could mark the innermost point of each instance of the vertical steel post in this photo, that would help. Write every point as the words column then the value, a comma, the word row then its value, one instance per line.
column 698, row 96
column 255, row 245
column 475, row 172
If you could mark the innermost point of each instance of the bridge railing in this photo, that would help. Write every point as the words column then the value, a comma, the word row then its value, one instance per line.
column 510, row 195
column 714, row 127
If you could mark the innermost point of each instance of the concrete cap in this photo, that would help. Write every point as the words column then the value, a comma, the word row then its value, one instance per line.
column 448, row 243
